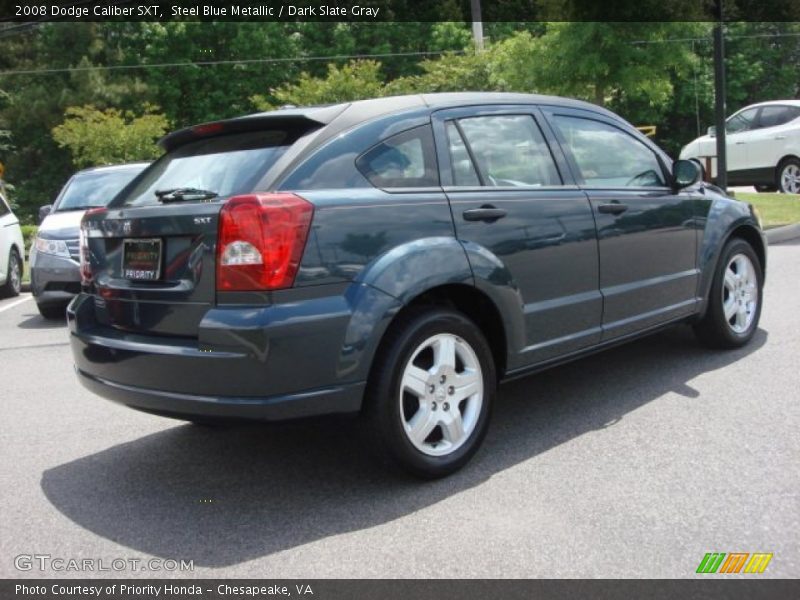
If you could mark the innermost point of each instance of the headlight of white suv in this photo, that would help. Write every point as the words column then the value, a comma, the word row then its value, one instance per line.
column 54, row 247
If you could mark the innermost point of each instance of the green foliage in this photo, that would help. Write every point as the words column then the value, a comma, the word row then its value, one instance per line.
column 354, row 81
column 103, row 137
column 28, row 233
column 661, row 82
column 469, row 71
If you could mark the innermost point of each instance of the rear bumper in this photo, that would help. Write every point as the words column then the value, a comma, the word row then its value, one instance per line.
column 336, row 400
column 247, row 363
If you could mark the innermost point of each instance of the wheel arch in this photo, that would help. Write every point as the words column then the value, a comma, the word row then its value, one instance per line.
column 477, row 306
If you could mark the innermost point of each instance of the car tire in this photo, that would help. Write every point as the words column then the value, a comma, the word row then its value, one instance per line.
column 765, row 189
column 788, row 176
column 734, row 303
column 13, row 284
column 53, row 311
column 430, row 393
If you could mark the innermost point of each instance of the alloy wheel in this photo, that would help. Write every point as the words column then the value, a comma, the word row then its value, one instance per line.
column 740, row 293
column 790, row 179
column 15, row 275
column 441, row 393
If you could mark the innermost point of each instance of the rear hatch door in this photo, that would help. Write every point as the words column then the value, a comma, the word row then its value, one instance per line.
column 152, row 252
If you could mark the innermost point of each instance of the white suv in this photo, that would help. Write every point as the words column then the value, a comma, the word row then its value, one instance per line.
column 12, row 249
column 763, row 143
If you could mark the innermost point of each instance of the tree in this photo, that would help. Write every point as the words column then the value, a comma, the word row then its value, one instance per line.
column 102, row 137
column 600, row 62
column 451, row 72
column 354, row 81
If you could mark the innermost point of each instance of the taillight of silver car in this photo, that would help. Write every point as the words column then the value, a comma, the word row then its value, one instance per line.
column 260, row 241
column 86, row 263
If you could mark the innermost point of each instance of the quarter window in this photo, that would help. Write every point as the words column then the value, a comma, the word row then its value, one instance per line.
column 509, row 150
column 609, row 157
column 401, row 161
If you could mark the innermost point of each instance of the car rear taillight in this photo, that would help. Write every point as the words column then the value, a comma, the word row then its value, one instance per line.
column 260, row 241
column 86, row 263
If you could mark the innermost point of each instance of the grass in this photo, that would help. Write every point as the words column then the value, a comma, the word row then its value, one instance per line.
column 775, row 209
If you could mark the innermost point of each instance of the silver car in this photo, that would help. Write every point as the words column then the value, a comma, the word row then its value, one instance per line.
column 55, row 255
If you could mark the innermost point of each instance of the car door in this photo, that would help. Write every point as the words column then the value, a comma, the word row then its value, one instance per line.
column 645, row 231
column 766, row 145
column 512, row 195
column 739, row 133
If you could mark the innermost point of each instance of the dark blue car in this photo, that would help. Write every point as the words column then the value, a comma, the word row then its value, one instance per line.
column 398, row 258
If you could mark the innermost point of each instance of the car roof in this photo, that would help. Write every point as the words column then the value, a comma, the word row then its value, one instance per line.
column 339, row 117
column 773, row 103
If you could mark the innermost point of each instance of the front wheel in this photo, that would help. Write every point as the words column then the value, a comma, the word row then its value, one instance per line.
column 734, row 305
column 789, row 176
column 431, row 391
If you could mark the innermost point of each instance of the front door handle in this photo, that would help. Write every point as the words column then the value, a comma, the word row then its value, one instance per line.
column 614, row 208
column 740, row 143
column 487, row 213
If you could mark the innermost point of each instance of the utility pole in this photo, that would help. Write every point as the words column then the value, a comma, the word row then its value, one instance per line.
column 720, row 109
column 477, row 24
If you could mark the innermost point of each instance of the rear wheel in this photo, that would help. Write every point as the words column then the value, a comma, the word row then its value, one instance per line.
column 789, row 176
column 430, row 394
column 734, row 306
column 13, row 284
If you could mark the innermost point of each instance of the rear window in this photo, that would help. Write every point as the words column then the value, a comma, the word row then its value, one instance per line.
column 95, row 188
column 228, row 165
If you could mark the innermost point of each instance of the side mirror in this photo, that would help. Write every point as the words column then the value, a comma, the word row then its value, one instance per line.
column 44, row 211
column 686, row 173
column 712, row 131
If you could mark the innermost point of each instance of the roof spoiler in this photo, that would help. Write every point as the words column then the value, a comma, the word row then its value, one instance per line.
column 299, row 120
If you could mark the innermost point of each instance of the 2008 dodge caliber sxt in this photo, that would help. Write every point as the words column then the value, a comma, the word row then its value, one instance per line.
column 399, row 257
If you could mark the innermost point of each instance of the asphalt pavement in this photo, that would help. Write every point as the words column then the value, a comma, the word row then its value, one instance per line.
column 630, row 463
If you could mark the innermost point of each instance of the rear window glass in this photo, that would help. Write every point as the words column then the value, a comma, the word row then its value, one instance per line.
column 228, row 165
column 95, row 188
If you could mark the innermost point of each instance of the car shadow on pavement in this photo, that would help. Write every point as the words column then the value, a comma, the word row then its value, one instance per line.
column 222, row 497
column 37, row 321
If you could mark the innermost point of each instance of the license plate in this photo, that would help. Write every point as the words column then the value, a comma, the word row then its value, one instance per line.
column 141, row 259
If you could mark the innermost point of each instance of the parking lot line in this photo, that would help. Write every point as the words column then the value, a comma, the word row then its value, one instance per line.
column 15, row 303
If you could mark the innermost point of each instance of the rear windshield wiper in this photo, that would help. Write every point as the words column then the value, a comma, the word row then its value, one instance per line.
column 185, row 193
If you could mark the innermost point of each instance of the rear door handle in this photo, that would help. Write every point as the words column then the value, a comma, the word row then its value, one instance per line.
column 487, row 213
column 740, row 143
column 614, row 208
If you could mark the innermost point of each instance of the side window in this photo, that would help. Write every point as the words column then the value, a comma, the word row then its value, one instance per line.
column 744, row 121
column 510, row 151
column 609, row 157
column 772, row 116
column 404, row 160
column 463, row 170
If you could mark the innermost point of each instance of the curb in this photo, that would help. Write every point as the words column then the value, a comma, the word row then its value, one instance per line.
column 776, row 235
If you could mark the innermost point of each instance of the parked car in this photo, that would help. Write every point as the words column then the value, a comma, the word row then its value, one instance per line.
column 763, row 147
column 12, row 251
column 55, row 268
column 398, row 258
